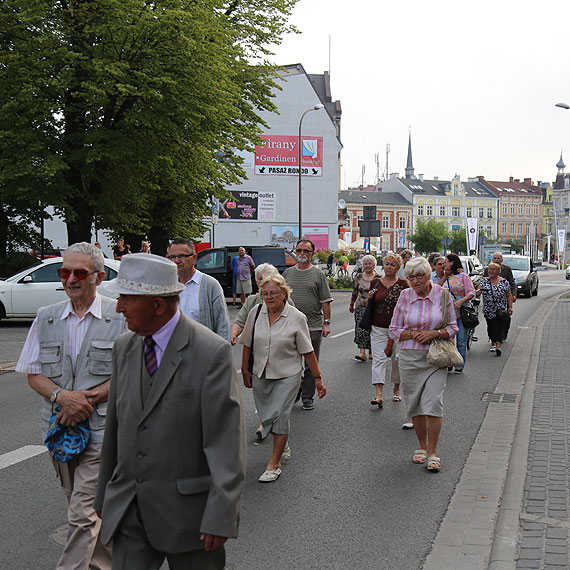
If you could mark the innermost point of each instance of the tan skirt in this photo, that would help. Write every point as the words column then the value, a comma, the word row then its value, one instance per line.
column 274, row 401
column 422, row 383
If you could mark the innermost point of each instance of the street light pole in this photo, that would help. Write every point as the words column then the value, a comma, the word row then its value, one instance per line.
column 300, row 145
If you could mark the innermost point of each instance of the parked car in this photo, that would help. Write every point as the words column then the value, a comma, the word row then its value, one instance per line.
column 48, row 253
column 474, row 271
column 217, row 261
column 524, row 273
column 24, row 293
column 568, row 272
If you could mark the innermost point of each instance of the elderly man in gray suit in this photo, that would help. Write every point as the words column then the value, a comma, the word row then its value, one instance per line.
column 173, row 459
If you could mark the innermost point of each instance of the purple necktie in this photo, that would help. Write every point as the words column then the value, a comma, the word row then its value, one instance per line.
column 150, row 355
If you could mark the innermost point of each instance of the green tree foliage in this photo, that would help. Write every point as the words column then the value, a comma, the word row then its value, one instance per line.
column 128, row 113
column 428, row 236
column 458, row 241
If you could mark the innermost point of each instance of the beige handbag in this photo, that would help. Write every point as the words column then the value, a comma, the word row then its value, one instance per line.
column 443, row 352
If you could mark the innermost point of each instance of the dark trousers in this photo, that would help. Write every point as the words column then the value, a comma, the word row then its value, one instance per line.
column 308, row 382
column 496, row 329
column 133, row 551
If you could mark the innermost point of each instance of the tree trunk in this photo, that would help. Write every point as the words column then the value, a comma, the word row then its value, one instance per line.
column 80, row 228
column 159, row 240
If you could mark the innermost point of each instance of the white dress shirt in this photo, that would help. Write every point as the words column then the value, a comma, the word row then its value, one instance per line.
column 189, row 298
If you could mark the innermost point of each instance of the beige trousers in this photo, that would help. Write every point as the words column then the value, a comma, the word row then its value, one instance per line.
column 83, row 549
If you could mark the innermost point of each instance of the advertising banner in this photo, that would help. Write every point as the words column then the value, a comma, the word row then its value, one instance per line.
column 401, row 238
column 245, row 205
column 472, row 234
column 278, row 155
column 561, row 240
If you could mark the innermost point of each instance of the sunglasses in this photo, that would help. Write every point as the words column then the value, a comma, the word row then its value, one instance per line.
column 181, row 256
column 80, row 274
column 299, row 250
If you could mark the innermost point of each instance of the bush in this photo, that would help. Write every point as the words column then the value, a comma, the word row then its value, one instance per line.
column 16, row 262
column 322, row 255
column 341, row 283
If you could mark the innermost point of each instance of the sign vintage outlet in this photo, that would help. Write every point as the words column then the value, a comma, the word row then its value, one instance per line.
column 278, row 155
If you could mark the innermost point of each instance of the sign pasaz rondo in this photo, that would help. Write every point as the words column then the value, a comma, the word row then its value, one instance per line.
column 278, row 155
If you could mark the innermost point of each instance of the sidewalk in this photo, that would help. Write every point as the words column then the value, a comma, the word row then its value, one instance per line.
column 510, row 507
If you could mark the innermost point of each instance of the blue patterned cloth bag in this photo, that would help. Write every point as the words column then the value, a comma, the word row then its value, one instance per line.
column 66, row 442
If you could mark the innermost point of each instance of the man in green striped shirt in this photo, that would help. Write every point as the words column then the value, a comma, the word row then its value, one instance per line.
column 312, row 296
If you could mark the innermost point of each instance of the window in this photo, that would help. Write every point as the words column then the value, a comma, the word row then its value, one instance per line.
column 46, row 273
column 513, row 209
column 520, row 229
column 504, row 228
column 442, row 211
column 385, row 221
column 210, row 260
column 429, row 211
column 521, row 209
column 109, row 274
column 489, row 230
column 535, row 210
column 402, row 223
column 505, row 209
column 481, row 212
column 528, row 210
column 469, row 212
column 455, row 211
column 489, row 212
column 512, row 230
column 420, row 210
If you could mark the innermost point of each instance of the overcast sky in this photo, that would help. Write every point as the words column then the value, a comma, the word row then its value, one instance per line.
column 476, row 81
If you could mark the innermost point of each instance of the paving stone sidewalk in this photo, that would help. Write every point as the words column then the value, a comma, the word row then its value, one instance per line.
column 544, row 520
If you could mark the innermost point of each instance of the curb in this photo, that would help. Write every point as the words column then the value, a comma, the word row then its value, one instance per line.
column 466, row 538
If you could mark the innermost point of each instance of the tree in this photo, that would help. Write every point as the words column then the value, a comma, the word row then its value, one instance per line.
column 428, row 236
column 129, row 113
column 458, row 241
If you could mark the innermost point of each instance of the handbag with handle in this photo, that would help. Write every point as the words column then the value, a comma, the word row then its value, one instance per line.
column 468, row 315
column 443, row 352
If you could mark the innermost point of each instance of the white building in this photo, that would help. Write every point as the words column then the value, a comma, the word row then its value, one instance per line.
column 265, row 208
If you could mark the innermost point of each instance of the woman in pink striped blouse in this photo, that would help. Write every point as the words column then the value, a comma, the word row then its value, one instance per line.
column 418, row 320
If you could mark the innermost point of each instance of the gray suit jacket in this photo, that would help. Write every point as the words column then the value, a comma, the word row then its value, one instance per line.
column 182, row 455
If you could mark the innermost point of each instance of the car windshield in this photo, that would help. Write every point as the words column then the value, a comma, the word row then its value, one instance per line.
column 516, row 263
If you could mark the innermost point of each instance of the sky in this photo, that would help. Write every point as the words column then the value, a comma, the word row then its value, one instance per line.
column 475, row 81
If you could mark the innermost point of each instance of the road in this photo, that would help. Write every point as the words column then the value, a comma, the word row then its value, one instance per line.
column 350, row 498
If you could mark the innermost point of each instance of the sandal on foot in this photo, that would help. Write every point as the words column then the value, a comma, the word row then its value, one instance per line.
column 420, row 456
column 377, row 402
column 396, row 398
column 433, row 463
column 360, row 357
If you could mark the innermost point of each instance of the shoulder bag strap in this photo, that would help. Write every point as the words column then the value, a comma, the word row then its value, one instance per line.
column 254, row 321
column 444, row 299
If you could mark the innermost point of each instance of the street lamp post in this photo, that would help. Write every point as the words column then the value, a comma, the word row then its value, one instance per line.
column 300, row 145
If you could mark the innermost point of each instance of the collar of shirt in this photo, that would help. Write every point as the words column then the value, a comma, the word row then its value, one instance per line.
column 162, row 336
column 284, row 312
column 94, row 309
column 196, row 278
column 430, row 297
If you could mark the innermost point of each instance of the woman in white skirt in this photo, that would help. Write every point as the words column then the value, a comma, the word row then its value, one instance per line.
column 414, row 325
column 280, row 338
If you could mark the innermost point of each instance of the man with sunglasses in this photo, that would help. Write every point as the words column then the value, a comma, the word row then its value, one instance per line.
column 312, row 296
column 67, row 357
column 203, row 297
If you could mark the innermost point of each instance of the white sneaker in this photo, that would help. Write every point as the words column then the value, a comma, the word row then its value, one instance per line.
column 286, row 455
column 493, row 348
column 270, row 476
column 408, row 425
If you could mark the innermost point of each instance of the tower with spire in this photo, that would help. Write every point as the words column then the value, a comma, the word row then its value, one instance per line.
column 560, row 165
column 409, row 165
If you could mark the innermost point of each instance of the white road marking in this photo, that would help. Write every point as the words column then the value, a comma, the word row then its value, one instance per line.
column 341, row 334
column 26, row 452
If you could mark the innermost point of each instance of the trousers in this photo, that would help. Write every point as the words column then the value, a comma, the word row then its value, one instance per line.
column 308, row 381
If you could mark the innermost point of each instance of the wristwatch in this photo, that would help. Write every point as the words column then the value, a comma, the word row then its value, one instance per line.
column 54, row 394
column 327, row 321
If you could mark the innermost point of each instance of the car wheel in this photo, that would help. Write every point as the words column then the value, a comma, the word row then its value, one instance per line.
column 535, row 292
column 2, row 311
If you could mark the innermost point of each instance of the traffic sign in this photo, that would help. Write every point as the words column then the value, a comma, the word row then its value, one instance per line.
column 446, row 242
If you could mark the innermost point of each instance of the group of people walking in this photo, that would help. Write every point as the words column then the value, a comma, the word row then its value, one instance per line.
column 141, row 408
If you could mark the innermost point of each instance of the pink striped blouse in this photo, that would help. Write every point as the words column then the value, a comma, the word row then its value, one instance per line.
column 421, row 313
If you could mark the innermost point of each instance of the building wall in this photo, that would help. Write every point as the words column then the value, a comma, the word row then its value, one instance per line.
column 518, row 214
column 320, row 193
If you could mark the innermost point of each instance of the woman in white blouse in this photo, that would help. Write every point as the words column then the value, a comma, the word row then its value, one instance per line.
column 280, row 338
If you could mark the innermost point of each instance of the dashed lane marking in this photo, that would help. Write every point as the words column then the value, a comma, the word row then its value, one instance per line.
column 341, row 334
column 21, row 454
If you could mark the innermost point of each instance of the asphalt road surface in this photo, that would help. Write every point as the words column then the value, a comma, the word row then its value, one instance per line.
column 350, row 498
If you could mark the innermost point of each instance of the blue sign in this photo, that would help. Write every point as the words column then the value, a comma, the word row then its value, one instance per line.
column 401, row 238
column 367, row 244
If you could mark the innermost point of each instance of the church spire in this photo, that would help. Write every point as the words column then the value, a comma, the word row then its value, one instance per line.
column 409, row 165
column 560, row 165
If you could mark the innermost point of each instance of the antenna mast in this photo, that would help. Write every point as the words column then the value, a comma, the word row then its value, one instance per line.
column 387, row 173
column 377, row 161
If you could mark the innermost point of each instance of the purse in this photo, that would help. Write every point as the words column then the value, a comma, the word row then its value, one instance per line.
column 250, row 362
column 368, row 315
column 469, row 317
column 66, row 442
column 442, row 352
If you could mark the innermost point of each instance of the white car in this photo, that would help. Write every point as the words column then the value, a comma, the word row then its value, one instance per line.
column 24, row 293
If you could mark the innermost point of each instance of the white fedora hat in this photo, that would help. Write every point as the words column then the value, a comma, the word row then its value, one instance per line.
column 146, row 274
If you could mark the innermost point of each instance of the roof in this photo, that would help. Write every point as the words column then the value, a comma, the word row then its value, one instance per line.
column 440, row 187
column 513, row 187
column 374, row 198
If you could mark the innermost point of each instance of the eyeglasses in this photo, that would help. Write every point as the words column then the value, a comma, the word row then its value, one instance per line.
column 181, row 256
column 418, row 276
column 270, row 293
column 299, row 250
column 80, row 274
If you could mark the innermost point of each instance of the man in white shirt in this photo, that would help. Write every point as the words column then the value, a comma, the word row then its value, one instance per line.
column 67, row 357
column 203, row 298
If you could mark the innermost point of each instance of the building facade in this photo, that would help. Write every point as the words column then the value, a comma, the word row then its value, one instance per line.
column 561, row 205
column 265, row 208
column 392, row 210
